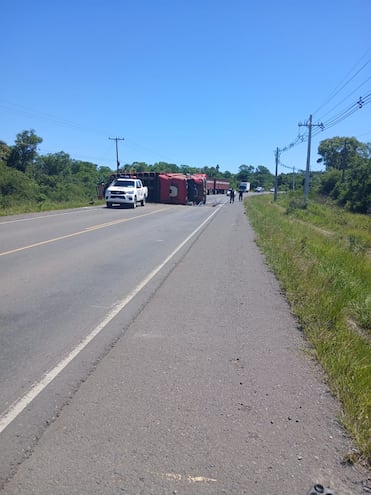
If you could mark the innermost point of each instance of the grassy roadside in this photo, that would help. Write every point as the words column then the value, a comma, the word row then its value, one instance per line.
column 322, row 257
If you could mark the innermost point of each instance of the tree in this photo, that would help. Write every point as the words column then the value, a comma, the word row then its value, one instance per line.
column 263, row 176
column 288, row 182
column 164, row 167
column 55, row 164
column 329, row 182
column 210, row 171
column 24, row 152
column 348, row 171
column 104, row 173
column 4, row 151
column 356, row 193
column 185, row 169
column 13, row 186
column 139, row 166
column 246, row 173
column 337, row 152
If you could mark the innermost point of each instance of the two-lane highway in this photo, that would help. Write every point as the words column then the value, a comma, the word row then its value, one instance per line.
column 153, row 352
column 64, row 277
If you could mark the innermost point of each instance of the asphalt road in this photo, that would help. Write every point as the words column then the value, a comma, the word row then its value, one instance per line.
column 151, row 351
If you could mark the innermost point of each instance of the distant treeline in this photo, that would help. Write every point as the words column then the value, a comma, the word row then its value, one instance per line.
column 28, row 178
column 346, row 179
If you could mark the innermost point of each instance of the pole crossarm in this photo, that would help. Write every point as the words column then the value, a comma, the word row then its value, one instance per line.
column 309, row 123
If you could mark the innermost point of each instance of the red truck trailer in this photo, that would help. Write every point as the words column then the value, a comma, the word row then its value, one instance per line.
column 173, row 189
column 198, row 183
column 217, row 186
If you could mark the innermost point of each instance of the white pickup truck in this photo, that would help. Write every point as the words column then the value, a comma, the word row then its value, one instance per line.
column 124, row 191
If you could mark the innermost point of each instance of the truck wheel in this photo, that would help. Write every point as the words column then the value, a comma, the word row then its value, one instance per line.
column 143, row 201
column 109, row 205
column 135, row 203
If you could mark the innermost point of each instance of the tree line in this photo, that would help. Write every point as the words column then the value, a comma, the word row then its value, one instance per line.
column 27, row 177
column 348, row 172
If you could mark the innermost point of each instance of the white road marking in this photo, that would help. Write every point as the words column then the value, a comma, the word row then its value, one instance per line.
column 19, row 405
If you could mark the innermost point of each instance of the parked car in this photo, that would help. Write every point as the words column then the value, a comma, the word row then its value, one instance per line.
column 259, row 189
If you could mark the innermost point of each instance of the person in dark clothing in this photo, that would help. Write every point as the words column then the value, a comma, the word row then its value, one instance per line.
column 240, row 195
column 231, row 196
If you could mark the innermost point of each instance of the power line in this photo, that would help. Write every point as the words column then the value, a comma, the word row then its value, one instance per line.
column 343, row 85
column 31, row 113
column 346, row 97
column 347, row 112
column 300, row 138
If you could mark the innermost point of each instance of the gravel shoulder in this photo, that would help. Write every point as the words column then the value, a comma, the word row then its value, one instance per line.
column 210, row 390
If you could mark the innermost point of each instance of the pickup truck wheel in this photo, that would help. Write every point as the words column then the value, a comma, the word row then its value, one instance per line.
column 135, row 203
column 109, row 205
column 143, row 201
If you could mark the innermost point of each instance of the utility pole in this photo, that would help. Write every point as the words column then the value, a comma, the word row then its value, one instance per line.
column 117, row 151
column 307, row 169
column 276, row 176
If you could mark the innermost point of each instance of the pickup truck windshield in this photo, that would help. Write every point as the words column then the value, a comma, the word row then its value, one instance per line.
column 123, row 183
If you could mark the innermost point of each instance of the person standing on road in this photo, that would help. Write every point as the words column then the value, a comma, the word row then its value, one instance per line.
column 231, row 197
column 240, row 195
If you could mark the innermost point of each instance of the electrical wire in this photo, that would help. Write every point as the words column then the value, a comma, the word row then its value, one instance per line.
column 344, row 99
column 300, row 138
column 344, row 114
column 12, row 107
column 343, row 85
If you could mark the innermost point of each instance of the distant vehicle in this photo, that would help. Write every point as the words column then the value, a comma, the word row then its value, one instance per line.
column 244, row 186
column 272, row 189
column 259, row 189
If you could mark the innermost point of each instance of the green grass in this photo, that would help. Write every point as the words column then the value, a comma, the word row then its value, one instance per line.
column 321, row 256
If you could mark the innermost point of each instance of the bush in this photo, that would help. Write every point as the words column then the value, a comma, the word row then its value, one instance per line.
column 295, row 203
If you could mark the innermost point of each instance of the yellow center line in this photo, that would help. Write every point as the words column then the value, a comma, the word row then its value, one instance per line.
column 85, row 231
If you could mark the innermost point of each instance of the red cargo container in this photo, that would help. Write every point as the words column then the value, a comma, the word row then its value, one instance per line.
column 173, row 189
column 199, row 182
column 217, row 186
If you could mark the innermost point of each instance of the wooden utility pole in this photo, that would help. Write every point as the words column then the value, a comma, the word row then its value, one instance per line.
column 307, row 169
column 117, row 151
column 276, row 176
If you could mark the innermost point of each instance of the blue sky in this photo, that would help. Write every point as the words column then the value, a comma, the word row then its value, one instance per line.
column 191, row 82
